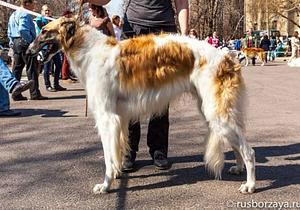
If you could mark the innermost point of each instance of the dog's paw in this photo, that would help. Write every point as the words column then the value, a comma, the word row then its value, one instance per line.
column 247, row 188
column 235, row 170
column 100, row 189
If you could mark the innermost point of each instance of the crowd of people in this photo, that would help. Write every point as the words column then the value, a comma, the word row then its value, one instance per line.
column 273, row 46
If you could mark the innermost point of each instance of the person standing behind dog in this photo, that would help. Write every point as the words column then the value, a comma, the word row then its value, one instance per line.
column 145, row 17
column 100, row 20
column 117, row 24
column 295, row 43
column 40, row 22
column 21, row 32
column 265, row 44
column 214, row 40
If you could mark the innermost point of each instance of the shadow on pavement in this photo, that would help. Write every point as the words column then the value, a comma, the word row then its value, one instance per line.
column 262, row 153
column 280, row 176
column 67, row 97
column 44, row 113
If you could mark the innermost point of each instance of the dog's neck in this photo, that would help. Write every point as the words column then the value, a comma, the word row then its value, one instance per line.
column 79, row 52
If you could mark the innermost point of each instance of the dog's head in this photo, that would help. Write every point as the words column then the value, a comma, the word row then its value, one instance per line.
column 56, row 35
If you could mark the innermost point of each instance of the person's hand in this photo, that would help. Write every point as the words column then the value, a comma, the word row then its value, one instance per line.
column 98, row 22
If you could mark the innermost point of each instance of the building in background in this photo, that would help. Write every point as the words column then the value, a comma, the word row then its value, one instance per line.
column 266, row 16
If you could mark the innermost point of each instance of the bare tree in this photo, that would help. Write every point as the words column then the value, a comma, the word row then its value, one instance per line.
column 223, row 16
column 267, row 10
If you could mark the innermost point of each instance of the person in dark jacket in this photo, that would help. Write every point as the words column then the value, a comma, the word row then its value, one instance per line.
column 145, row 17
column 265, row 44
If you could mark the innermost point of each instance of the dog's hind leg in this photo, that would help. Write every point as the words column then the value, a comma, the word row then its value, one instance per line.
column 109, row 129
column 244, row 151
column 239, row 168
column 262, row 58
column 214, row 158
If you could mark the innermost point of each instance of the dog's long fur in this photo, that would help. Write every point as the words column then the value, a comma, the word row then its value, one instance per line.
column 253, row 52
column 140, row 76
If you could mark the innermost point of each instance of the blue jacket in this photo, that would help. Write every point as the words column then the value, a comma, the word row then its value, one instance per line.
column 20, row 25
column 40, row 21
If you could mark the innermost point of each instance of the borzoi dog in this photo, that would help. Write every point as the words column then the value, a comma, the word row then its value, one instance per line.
column 253, row 52
column 140, row 76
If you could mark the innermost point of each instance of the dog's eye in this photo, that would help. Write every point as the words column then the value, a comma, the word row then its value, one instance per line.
column 43, row 31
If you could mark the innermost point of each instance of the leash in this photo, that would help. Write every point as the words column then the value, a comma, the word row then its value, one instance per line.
column 14, row 7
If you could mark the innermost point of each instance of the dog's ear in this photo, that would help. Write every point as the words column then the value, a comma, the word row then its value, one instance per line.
column 67, row 31
column 70, row 30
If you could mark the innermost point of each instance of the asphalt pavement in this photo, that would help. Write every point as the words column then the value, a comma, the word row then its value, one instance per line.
column 51, row 156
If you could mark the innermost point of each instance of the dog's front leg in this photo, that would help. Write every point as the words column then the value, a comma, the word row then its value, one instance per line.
column 109, row 175
column 247, row 61
column 109, row 131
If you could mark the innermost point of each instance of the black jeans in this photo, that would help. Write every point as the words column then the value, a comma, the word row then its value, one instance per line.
column 47, row 67
column 158, row 127
column 20, row 60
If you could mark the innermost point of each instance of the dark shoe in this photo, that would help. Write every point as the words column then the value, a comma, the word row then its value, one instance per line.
column 51, row 89
column 160, row 160
column 128, row 163
column 60, row 88
column 19, row 98
column 40, row 97
column 21, row 87
column 9, row 113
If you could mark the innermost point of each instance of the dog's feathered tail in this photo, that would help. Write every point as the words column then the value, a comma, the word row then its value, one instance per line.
column 214, row 157
column 228, row 120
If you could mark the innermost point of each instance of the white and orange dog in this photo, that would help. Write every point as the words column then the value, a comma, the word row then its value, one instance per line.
column 139, row 77
column 254, row 52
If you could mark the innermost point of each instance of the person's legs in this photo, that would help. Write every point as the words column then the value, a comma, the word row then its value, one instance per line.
column 17, row 69
column 57, row 63
column 157, row 140
column 65, row 71
column 4, row 99
column 158, row 131
column 47, row 67
column 134, row 135
column 7, row 79
column 294, row 54
column 32, row 74
column 7, row 84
